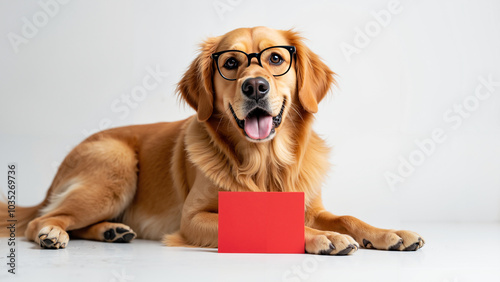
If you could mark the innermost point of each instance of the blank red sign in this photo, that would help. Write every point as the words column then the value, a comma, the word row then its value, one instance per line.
column 261, row 222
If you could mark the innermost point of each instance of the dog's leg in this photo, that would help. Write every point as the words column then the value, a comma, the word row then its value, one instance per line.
column 199, row 223
column 82, row 207
column 366, row 235
column 201, row 231
column 107, row 232
column 94, row 183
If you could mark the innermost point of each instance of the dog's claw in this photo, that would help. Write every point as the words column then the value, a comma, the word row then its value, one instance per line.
column 396, row 246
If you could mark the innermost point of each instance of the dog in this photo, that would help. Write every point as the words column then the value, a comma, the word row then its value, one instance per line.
column 255, row 91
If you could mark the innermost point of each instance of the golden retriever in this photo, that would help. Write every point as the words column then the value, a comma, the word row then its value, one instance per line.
column 255, row 91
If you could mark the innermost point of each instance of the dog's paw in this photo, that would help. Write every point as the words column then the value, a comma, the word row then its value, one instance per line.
column 53, row 237
column 395, row 240
column 118, row 233
column 331, row 243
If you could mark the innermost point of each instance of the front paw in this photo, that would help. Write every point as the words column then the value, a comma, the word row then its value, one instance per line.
column 52, row 237
column 394, row 240
column 331, row 243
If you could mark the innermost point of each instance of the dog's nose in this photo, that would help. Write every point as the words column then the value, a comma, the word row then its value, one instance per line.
column 255, row 88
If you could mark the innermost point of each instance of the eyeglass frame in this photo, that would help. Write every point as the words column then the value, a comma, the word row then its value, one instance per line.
column 291, row 49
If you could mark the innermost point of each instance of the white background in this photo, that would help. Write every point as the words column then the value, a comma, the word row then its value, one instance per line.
column 63, row 81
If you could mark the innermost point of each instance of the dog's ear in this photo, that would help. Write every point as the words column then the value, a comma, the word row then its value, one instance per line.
column 196, row 86
column 314, row 78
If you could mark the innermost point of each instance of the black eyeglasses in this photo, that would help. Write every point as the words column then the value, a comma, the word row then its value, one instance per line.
column 276, row 59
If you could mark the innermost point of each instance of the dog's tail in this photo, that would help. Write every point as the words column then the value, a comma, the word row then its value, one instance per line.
column 175, row 240
column 15, row 219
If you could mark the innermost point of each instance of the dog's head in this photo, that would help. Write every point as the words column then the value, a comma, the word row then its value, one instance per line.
column 256, row 78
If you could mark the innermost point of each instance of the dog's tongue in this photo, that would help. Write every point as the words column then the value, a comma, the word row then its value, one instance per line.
column 258, row 127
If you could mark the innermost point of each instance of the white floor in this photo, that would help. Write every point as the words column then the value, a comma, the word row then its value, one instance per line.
column 453, row 253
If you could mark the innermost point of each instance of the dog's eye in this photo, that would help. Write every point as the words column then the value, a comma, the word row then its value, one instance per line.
column 231, row 64
column 275, row 59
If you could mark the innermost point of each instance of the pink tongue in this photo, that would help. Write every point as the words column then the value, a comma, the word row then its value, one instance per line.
column 258, row 127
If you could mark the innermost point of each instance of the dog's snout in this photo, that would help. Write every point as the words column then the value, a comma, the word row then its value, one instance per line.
column 255, row 88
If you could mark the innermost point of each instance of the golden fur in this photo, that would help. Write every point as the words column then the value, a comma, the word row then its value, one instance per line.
column 160, row 181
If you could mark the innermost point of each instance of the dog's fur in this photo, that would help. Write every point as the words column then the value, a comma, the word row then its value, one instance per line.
column 160, row 181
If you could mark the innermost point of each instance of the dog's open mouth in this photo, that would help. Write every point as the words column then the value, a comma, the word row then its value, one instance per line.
column 259, row 124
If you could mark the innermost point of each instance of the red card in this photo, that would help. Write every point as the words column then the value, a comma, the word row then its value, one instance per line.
column 261, row 222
